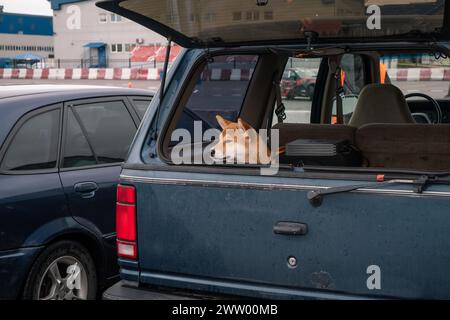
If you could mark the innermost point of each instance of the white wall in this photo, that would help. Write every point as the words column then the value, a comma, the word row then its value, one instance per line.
column 69, row 42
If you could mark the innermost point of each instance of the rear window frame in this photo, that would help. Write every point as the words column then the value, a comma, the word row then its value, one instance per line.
column 184, row 93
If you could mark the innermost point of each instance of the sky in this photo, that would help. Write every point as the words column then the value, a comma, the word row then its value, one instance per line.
column 41, row 7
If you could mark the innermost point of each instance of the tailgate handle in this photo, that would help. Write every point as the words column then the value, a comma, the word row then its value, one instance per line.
column 290, row 228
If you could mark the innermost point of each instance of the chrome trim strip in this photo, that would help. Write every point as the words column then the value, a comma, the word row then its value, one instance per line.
column 273, row 186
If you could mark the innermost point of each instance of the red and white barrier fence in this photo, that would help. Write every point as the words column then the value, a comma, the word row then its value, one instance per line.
column 419, row 74
column 116, row 74
column 82, row 74
column 407, row 74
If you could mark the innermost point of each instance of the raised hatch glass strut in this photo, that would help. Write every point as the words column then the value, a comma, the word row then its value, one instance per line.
column 315, row 197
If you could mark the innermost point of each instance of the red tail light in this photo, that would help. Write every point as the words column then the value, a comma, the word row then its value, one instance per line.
column 126, row 222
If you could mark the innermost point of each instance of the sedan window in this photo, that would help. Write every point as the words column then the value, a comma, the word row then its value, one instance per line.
column 35, row 145
column 109, row 128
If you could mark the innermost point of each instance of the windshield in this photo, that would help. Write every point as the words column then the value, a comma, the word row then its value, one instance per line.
column 234, row 21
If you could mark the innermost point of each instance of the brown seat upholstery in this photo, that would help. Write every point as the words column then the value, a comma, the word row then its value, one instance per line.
column 380, row 103
column 293, row 131
column 406, row 146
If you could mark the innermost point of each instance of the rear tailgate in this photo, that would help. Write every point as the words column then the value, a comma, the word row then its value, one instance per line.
column 200, row 23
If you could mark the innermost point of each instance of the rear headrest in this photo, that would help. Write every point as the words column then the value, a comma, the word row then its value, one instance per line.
column 381, row 103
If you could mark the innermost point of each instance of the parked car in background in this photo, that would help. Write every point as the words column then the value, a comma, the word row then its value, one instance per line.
column 298, row 82
column 61, row 150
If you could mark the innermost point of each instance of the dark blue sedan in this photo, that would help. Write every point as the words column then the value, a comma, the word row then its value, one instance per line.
column 61, row 150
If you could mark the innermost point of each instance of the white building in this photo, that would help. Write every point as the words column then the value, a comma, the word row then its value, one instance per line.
column 87, row 36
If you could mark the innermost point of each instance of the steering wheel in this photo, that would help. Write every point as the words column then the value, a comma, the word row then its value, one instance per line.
column 430, row 99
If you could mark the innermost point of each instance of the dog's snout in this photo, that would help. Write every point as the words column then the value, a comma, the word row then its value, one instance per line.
column 213, row 152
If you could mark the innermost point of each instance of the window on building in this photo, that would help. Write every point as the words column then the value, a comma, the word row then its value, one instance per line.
column 268, row 15
column 211, row 97
column 210, row 17
column 102, row 18
column 237, row 16
column 113, row 47
column 115, row 18
column 119, row 47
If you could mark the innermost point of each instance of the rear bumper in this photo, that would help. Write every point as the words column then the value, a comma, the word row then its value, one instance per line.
column 122, row 291
column 14, row 268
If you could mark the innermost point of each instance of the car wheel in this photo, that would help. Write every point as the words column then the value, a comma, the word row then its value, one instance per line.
column 310, row 92
column 64, row 271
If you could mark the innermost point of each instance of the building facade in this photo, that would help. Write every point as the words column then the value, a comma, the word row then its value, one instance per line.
column 87, row 36
column 25, row 34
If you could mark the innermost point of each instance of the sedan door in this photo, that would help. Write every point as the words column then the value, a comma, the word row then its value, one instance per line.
column 31, row 196
column 97, row 135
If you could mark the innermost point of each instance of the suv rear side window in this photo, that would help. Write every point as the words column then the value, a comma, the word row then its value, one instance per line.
column 35, row 145
column 297, row 87
column 220, row 89
column 108, row 128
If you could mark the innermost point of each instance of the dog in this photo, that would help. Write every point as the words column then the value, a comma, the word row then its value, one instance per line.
column 239, row 142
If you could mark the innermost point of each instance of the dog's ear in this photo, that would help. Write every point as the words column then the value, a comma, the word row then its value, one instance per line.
column 244, row 125
column 223, row 123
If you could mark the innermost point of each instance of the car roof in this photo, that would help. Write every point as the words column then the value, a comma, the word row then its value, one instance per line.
column 15, row 101
column 24, row 90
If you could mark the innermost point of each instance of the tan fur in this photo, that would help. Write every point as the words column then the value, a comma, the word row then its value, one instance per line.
column 239, row 138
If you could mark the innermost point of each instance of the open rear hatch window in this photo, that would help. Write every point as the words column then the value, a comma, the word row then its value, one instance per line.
column 198, row 23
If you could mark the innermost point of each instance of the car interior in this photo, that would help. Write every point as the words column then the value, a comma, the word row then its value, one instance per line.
column 388, row 130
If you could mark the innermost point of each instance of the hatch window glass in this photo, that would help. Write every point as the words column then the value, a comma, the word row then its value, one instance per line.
column 220, row 89
column 35, row 145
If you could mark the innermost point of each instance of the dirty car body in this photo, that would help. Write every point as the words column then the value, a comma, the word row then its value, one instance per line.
column 215, row 229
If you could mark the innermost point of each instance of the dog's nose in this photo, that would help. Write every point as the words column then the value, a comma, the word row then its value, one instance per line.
column 213, row 152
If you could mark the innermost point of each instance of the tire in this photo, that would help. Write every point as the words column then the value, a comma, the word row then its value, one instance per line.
column 65, row 258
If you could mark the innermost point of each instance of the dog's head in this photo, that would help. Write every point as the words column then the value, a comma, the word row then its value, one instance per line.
column 238, row 141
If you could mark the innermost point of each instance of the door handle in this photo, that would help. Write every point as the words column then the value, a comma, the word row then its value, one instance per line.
column 86, row 189
column 290, row 228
